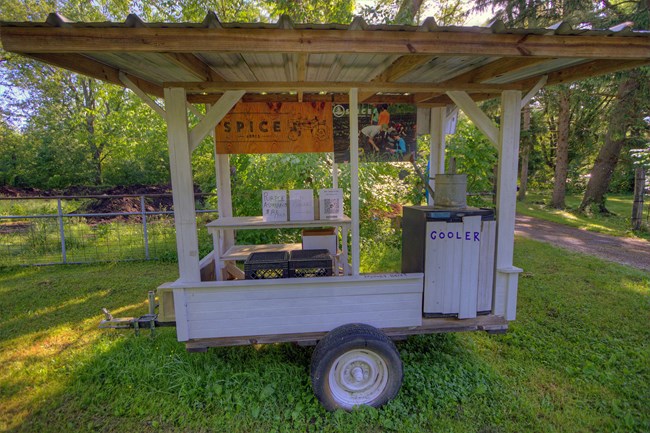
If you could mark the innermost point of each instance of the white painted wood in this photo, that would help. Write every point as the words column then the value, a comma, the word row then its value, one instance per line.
column 505, row 291
column 241, row 252
column 486, row 266
column 508, row 278
column 436, row 147
column 224, row 193
column 354, row 177
column 469, row 268
column 257, row 222
column 142, row 95
column 187, row 244
column 436, row 277
column 180, row 312
column 476, row 115
column 266, row 307
column 217, row 112
column 454, row 259
column 536, row 88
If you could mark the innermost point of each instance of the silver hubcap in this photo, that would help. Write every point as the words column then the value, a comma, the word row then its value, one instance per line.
column 357, row 377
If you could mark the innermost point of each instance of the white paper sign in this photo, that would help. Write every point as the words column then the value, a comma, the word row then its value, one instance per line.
column 274, row 205
column 330, row 202
column 301, row 205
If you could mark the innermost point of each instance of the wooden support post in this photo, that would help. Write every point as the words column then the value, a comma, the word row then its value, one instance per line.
column 506, row 281
column 476, row 115
column 436, row 147
column 187, row 244
column 354, row 177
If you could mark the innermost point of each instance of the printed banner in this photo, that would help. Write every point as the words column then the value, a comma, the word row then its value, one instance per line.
column 386, row 132
column 276, row 127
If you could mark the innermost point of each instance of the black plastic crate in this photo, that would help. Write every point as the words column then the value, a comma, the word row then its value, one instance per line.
column 310, row 263
column 267, row 265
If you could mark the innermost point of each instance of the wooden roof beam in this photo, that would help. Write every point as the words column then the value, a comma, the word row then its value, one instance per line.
column 91, row 68
column 339, row 98
column 194, row 65
column 189, row 40
column 315, row 87
column 496, row 69
column 396, row 70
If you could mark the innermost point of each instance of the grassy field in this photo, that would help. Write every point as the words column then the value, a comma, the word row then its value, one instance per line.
column 575, row 360
column 616, row 224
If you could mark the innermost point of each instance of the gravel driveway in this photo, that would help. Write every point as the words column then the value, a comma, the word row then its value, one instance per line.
column 627, row 251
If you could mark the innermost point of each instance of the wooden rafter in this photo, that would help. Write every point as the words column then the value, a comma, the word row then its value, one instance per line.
column 495, row 69
column 86, row 66
column 314, row 86
column 591, row 69
column 189, row 40
column 338, row 98
column 301, row 69
column 195, row 66
column 396, row 70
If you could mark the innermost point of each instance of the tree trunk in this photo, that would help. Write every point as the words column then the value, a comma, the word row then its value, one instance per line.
column 622, row 116
column 526, row 145
column 562, row 152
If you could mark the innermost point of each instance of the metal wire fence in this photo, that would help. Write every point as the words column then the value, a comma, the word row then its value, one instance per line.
column 87, row 229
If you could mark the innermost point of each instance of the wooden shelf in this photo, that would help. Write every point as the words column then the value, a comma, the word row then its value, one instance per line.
column 257, row 222
column 241, row 252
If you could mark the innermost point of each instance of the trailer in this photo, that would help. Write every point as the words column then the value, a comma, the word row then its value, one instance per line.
column 457, row 262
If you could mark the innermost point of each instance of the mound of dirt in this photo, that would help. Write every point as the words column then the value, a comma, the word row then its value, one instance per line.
column 119, row 199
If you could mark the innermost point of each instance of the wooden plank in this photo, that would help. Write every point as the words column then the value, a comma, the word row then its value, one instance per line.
column 187, row 243
column 486, row 266
column 429, row 326
column 495, row 69
column 436, row 277
column 476, row 115
column 400, row 67
column 507, row 198
column 142, row 95
column 532, row 92
column 194, row 65
column 189, row 40
column 336, row 86
column 455, row 268
column 214, row 115
column 469, row 268
column 287, row 127
column 257, row 222
column 339, row 98
column 91, row 68
column 241, row 252
column 592, row 69
column 180, row 314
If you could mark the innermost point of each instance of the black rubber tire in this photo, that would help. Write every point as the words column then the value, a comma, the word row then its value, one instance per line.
column 353, row 338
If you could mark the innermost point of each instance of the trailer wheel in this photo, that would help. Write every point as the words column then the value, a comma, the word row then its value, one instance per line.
column 355, row 365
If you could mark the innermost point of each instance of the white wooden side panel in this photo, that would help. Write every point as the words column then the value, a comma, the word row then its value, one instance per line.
column 436, row 279
column 454, row 268
column 469, row 268
column 354, row 178
column 180, row 311
column 250, row 309
column 486, row 266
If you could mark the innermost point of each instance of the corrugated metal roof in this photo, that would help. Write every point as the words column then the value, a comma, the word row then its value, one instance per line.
column 155, row 67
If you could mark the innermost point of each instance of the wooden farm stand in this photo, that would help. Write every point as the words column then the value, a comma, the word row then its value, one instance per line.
column 221, row 64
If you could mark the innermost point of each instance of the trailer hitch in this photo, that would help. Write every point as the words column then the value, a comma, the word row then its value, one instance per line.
column 148, row 321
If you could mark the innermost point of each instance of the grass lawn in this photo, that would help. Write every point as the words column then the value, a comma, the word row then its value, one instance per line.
column 616, row 224
column 575, row 360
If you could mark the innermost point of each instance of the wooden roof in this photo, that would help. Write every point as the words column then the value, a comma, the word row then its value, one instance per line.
column 288, row 61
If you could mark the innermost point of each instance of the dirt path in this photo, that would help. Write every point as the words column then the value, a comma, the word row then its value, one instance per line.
column 628, row 251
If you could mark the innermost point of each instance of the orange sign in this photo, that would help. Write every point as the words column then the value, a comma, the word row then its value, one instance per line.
column 276, row 127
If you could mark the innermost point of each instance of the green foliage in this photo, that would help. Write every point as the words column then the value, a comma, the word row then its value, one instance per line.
column 474, row 155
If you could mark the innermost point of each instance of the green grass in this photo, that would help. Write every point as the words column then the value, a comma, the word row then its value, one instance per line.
column 575, row 360
column 616, row 224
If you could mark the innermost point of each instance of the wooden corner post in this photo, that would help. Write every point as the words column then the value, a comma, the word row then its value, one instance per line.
column 436, row 147
column 506, row 276
column 187, row 244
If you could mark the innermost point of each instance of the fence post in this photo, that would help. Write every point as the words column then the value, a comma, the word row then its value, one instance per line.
column 61, row 231
column 143, row 213
column 637, row 207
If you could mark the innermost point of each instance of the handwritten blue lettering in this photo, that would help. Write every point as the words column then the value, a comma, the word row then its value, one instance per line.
column 455, row 235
